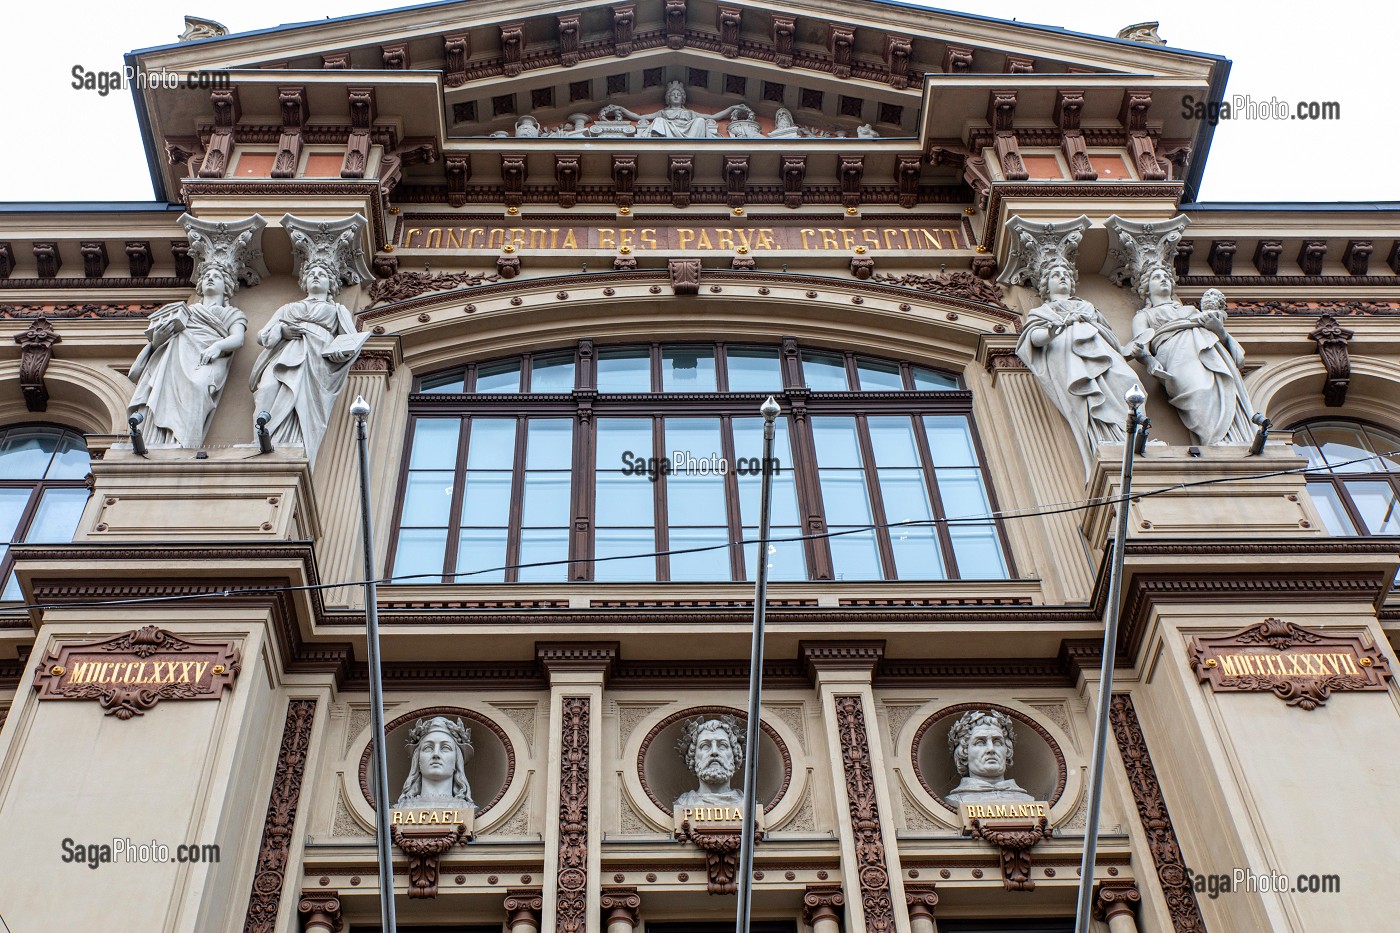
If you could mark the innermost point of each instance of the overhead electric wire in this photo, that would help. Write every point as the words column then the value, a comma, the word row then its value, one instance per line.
column 1054, row 508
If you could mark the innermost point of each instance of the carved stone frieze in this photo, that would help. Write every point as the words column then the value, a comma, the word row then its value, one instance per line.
column 872, row 868
column 401, row 286
column 36, row 351
column 277, row 837
column 1332, row 339
column 957, row 284
column 571, row 897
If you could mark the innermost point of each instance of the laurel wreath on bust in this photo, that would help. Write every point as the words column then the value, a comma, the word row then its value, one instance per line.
column 457, row 730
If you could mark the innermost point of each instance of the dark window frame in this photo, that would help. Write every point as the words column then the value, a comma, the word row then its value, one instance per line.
column 1338, row 480
column 37, row 488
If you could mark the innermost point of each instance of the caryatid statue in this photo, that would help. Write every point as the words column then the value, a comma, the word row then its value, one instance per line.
column 311, row 343
column 1199, row 360
column 982, row 743
column 1065, row 342
column 713, row 748
column 437, row 775
column 181, row 372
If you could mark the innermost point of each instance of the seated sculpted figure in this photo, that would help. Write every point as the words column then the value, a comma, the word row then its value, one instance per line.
column 1076, row 358
column 714, row 751
column 1201, row 359
column 437, row 775
column 676, row 120
column 181, row 372
column 981, row 743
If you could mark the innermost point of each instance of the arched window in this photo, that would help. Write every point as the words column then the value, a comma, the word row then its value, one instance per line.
column 589, row 455
column 42, row 490
column 1353, row 475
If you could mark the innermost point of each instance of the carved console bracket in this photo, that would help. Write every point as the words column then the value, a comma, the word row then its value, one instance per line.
column 721, row 848
column 37, row 343
column 424, row 845
column 685, row 276
column 1332, row 340
column 1015, row 845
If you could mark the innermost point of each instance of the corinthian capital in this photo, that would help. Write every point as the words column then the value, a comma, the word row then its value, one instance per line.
column 1137, row 249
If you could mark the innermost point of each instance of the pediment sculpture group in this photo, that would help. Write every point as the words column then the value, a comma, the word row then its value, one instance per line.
column 1078, row 360
column 308, row 346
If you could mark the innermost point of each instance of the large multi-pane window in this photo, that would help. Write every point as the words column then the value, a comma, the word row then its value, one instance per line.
column 641, row 463
column 42, row 490
column 1353, row 475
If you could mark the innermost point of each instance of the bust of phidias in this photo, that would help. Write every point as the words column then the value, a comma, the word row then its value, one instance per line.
column 713, row 750
column 982, row 743
column 437, row 775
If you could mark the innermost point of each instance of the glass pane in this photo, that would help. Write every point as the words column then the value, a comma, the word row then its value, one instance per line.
column 624, row 370
column 844, row 497
column 786, row 560
column 1376, row 502
column 498, row 377
column 546, row 499
column 427, row 500
column 916, row 553
column 421, row 550
column 700, row 565
column 824, row 372
column 481, row 549
column 12, row 591
column 623, row 500
column 71, row 461
column 904, row 495
column 1387, row 445
column 855, row 557
column 549, row 444
column 434, row 444
column 57, row 516
column 784, row 509
column 695, row 500
column 486, row 502
column 454, row 381
column 1342, row 443
column 963, row 494
column 491, row 445
column 687, row 369
column 837, row 443
column 748, row 442
column 614, row 542
column 541, row 545
column 878, row 376
column 552, row 373
column 12, row 503
column 978, row 552
column 1329, row 505
column 950, row 441
column 1303, row 446
column 753, row 369
column 622, row 436
column 698, row 437
column 25, row 452
column 892, row 439
column 931, row 380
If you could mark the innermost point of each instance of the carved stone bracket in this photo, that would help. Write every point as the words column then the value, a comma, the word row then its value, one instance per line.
column 95, row 259
column 685, row 276
column 569, row 25
column 624, row 21
column 1113, row 898
column 459, row 172
column 37, row 343
column 862, row 267
column 899, row 50
column 512, row 48
column 1001, row 114
column 1357, row 256
column 675, row 14
column 227, row 112
column 784, row 34
column 1332, row 340
column 721, row 848
column 1069, row 106
column 850, row 172
column 320, row 912
column 7, row 260
column 1221, row 257
column 841, row 42
column 681, row 170
column 363, row 110
column 794, row 174
column 424, row 846
column 624, row 171
column 620, row 905
column 566, row 175
column 1266, row 254
column 1015, row 845
column 456, row 50
column 1133, row 116
column 729, row 20
column 1310, row 256
column 139, row 258
column 292, row 103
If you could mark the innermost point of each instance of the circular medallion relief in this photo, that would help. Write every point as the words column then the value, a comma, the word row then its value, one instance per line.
column 488, row 768
column 1034, row 764
column 666, row 776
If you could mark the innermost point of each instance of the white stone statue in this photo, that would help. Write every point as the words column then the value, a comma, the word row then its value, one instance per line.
column 1065, row 342
column 714, row 750
column 437, row 775
column 1199, row 360
column 677, row 121
column 311, row 343
column 982, row 743
column 181, row 372
column 784, row 126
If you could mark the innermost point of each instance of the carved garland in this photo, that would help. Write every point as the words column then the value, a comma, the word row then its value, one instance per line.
column 1182, row 907
column 876, row 900
column 950, row 711
column 571, row 899
column 467, row 714
column 275, row 850
column 692, row 712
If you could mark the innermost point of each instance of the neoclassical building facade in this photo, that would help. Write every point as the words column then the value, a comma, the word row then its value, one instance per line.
column 564, row 255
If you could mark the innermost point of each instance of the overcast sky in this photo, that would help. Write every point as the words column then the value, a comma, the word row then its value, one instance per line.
column 63, row 144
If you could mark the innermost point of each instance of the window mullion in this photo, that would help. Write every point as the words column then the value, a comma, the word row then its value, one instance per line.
column 583, row 494
column 945, row 538
column 877, row 502
column 809, row 494
column 661, row 527
column 517, row 501
column 459, row 492
column 731, row 497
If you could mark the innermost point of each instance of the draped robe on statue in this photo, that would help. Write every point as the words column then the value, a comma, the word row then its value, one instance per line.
column 1082, row 369
column 297, row 380
column 1204, row 381
column 179, row 392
